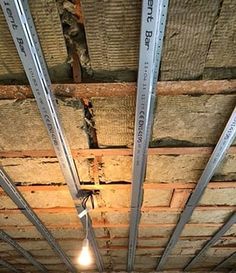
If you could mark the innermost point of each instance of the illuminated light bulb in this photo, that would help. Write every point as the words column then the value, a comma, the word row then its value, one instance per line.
column 85, row 255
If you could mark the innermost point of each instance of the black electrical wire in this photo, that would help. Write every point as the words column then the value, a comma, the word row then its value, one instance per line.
column 89, row 196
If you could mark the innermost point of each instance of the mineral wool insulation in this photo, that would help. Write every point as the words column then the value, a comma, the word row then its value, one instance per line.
column 48, row 26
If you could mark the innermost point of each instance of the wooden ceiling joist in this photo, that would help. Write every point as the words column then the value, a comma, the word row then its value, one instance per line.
column 123, row 247
column 116, row 239
column 97, row 224
column 120, row 209
column 89, row 90
column 114, row 186
column 91, row 153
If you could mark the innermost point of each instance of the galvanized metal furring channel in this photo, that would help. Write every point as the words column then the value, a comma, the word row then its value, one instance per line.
column 216, row 158
column 25, row 208
column 9, row 266
column 213, row 240
column 22, row 29
column 152, row 33
column 6, row 238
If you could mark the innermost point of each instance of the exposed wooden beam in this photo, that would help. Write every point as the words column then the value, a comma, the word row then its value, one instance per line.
column 13, row 257
column 113, row 247
column 97, row 224
column 92, row 153
column 113, row 186
column 179, row 198
column 88, row 90
column 118, row 209
column 124, row 247
column 116, row 239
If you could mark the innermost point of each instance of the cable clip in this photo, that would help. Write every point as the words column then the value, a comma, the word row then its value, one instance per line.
column 83, row 213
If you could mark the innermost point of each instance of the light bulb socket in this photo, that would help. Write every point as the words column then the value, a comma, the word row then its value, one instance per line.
column 85, row 243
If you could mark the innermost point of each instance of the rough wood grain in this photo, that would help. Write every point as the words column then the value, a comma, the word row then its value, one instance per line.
column 124, row 89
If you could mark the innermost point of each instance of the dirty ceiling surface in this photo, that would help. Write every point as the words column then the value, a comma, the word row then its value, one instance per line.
column 199, row 45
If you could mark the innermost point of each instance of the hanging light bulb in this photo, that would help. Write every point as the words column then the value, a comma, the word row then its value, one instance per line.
column 85, row 255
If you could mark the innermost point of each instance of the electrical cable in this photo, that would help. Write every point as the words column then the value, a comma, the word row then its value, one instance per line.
column 89, row 195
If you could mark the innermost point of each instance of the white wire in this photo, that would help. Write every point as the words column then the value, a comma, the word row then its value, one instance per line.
column 86, row 226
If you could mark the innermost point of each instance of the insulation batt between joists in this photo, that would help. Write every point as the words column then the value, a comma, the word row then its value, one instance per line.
column 50, row 34
column 112, row 31
column 143, row 262
column 51, row 260
column 187, row 251
column 58, row 197
column 58, row 233
column 179, row 120
column 42, row 170
column 188, row 231
column 144, row 232
column 121, row 253
column 221, row 53
column 23, row 126
column 148, row 219
column 30, row 268
column 160, row 168
column 175, row 168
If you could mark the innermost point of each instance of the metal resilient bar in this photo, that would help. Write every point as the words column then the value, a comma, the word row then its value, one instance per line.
column 9, row 266
column 216, row 158
column 25, row 208
column 232, row 257
column 6, row 238
column 231, row 221
column 23, row 32
column 152, row 33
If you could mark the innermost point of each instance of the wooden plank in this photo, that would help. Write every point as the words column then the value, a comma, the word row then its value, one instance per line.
column 179, row 198
column 120, row 209
column 97, row 161
column 116, row 247
column 113, row 225
column 88, row 90
column 91, row 153
column 123, row 247
column 113, row 186
column 114, row 239
column 211, row 185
